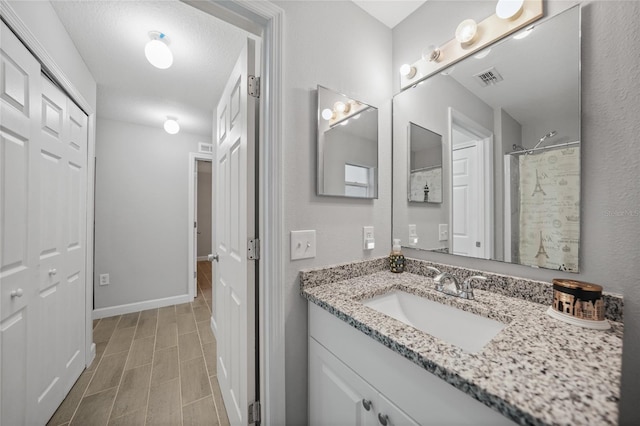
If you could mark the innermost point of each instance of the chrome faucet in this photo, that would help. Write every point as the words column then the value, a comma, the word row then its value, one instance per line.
column 464, row 291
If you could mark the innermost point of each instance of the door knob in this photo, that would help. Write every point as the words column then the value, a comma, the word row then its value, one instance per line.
column 53, row 271
column 383, row 419
column 366, row 404
column 16, row 293
column 213, row 257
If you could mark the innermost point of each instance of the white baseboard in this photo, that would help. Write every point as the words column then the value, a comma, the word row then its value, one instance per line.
column 214, row 328
column 201, row 258
column 92, row 355
column 140, row 306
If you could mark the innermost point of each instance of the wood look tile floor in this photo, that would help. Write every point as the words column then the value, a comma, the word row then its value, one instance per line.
column 155, row 367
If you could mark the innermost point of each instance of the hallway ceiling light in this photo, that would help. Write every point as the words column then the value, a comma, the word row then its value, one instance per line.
column 157, row 50
column 171, row 126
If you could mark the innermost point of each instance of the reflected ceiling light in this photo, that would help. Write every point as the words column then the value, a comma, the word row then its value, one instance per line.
column 483, row 54
column 509, row 9
column 523, row 34
column 157, row 50
column 345, row 122
column 328, row 114
column 357, row 116
column 431, row 53
column 466, row 31
column 171, row 126
column 407, row 71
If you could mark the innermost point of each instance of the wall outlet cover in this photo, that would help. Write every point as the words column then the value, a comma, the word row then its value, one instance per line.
column 303, row 244
column 443, row 232
column 104, row 279
column 368, row 239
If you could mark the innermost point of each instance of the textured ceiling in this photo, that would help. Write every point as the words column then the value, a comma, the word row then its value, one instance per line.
column 111, row 35
column 389, row 12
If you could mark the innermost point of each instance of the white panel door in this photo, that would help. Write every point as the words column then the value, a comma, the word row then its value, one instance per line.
column 235, row 224
column 20, row 88
column 44, row 157
column 465, row 201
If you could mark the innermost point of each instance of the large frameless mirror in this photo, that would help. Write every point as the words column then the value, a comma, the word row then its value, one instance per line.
column 347, row 146
column 509, row 117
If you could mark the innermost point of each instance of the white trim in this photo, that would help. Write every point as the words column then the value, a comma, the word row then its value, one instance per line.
column 261, row 17
column 201, row 258
column 140, row 306
column 55, row 71
column 193, row 157
column 214, row 327
column 508, row 250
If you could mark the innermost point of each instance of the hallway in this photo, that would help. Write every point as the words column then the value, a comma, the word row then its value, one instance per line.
column 156, row 367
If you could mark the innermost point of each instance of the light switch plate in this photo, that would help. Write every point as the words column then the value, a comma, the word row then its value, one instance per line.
column 443, row 232
column 104, row 279
column 368, row 239
column 303, row 244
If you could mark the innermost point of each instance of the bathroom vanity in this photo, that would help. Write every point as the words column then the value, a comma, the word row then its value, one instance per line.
column 366, row 367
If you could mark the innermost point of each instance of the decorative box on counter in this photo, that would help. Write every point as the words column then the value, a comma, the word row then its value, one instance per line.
column 578, row 303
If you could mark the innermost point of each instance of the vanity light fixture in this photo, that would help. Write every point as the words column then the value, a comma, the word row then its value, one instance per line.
column 407, row 71
column 171, row 126
column 466, row 31
column 509, row 9
column 157, row 50
column 431, row 53
column 341, row 107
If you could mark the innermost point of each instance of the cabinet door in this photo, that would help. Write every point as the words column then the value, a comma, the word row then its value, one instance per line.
column 337, row 395
column 389, row 414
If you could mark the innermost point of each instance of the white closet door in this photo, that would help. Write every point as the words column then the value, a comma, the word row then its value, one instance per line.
column 20, row 88
column 43, row 225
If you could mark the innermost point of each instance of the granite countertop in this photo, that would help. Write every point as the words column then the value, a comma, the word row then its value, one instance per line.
column 536, row 371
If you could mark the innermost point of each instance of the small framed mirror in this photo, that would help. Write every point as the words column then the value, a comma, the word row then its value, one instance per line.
column 425, row 165
column 347, row 146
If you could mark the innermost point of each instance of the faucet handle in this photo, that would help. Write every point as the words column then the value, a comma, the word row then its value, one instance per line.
column 436, row 270
column 467, row 288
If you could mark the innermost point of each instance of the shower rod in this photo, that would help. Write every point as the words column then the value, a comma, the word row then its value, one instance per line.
column 542, row 148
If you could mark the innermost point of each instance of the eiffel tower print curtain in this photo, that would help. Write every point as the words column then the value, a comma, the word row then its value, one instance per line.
column 550, row 209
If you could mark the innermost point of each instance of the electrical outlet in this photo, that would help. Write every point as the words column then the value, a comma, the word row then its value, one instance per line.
column 104, row 279
column 413, row 235
column 368, row 240
column 443, row 232
column 303, row 244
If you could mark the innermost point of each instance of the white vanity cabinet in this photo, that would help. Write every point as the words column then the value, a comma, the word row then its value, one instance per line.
column 347, row 368
column 338, row 396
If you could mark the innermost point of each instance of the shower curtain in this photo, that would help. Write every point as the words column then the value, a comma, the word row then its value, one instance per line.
column 550, row 209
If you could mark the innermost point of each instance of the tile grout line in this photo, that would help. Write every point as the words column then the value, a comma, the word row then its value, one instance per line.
column 179, row 368
column 124, row 366
column 153, row 358
column 207, row 367
column 84, row 393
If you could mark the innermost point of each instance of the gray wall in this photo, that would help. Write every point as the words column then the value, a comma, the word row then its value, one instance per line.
column 204, row 209
column 336, row 45
column 142, row 217
column 610, row 253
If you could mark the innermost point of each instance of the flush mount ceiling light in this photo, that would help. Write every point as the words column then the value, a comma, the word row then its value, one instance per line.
column 157, row 50
column 407, row 71
column 509, row 9
column 466, row 31
column 171, row 126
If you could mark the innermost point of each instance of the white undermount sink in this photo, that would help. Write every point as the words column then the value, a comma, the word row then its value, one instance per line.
column 468, row 331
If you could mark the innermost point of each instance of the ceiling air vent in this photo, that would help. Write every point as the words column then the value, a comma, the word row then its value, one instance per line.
column 488, row 77
column 205, row 147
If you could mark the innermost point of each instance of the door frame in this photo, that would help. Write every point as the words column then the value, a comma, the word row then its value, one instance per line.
column 192, row 256
column 264, row 19
column 485, row 175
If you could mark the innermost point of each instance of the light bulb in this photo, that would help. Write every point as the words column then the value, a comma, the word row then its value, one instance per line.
column 340, row 107
column 431, row 53
column 466, row 31
column 327, row 114
column 407, row 71
column 157, row 51
column 171, row 126
column 509, row 9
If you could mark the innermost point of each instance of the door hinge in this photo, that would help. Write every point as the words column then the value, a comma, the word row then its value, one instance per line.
column 194, row 274
column 253, row 249
column 195, row 224
column 254, row 86
column 254, row 412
